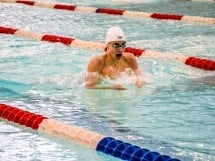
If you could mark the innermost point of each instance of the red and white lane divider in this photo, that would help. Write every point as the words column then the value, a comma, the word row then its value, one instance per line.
column 50, row 126
column 124, row 13
column 192, row 61
column 71, row 133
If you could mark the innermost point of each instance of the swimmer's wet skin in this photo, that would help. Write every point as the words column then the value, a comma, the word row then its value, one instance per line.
column 113, row 62
column 114, row 87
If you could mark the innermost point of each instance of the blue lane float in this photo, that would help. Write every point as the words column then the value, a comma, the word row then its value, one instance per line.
column 127, row 151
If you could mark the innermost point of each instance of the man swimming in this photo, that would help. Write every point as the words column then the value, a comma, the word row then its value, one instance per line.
column 113, row 62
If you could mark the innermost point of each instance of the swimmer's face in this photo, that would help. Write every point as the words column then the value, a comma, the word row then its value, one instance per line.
column 117, row 48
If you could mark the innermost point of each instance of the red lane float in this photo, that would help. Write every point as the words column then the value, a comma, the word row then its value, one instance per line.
column 6, row 30
column 124, row 13
column 136, row 52
column 54, row 38
column 110, row 11
column 31, row 3
column 65, row 7
column 200, row 63
column 166, row 16
column 21, row 117
column 191, row 61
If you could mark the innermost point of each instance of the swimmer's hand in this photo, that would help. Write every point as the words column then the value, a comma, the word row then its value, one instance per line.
column 114, row 87
column 139, row 83
column 119, row 87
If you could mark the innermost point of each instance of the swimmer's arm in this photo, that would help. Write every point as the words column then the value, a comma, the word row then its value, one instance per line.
column 114, row 87
column 94, row 69
column 139, row 80
column 132, row 61
column 92, row 79
column 91, row 84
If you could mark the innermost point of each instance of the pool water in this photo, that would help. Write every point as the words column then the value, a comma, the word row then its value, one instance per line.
column 173, row 114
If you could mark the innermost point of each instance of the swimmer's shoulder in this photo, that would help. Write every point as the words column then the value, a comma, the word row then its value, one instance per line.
column 127, row 56
column 130, row 59
column 98, row 60
column 96, row 63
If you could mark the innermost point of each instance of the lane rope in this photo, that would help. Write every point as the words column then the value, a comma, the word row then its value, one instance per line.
column 196, row 62
column 71, row 133
column 119, row 12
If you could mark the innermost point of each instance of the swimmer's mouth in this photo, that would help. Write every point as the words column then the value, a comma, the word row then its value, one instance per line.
column 118, row 55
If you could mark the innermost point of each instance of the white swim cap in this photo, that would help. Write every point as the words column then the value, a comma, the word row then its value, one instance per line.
column 114, row 34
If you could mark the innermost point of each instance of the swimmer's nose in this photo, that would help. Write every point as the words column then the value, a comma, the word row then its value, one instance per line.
column 121, row 49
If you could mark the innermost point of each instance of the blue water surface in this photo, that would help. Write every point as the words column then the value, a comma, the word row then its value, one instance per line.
column 173, row 114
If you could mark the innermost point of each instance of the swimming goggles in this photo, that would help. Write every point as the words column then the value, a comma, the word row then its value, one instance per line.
column 117, row 45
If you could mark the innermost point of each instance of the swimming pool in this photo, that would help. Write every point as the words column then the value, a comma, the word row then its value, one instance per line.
column 173, row 114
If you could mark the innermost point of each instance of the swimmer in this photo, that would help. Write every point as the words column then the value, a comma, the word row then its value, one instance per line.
column 112, row 62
